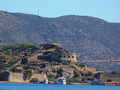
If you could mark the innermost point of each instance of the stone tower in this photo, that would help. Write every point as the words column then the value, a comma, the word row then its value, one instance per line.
column 72, row 57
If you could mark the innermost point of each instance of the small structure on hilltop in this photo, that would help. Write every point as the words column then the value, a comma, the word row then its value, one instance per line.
column 72, row 57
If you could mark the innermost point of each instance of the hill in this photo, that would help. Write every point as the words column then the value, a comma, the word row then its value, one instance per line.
column 29, row 63
column 91, row 38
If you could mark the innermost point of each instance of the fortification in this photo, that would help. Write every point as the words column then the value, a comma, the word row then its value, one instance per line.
column 72, row 57
column 16, row 77
column 40, row 77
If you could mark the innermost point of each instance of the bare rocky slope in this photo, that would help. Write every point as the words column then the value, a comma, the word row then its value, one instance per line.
column 91, row 38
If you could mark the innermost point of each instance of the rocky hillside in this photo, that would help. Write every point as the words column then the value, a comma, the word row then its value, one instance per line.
column 91, row 38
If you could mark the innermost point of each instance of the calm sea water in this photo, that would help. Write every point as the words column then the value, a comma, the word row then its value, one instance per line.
column 22, row 86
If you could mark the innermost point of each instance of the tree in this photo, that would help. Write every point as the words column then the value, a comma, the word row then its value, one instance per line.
column 59, row 72
column 24, row 61
column 109, row 80
column 114, row 72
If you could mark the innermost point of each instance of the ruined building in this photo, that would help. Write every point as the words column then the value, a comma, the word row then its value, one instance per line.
column 72, row 57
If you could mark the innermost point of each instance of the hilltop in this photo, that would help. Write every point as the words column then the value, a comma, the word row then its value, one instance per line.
column 91, row 38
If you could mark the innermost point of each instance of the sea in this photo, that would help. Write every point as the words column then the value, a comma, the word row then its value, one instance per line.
column 23, row 86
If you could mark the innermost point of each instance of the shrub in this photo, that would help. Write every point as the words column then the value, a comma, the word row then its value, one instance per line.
column 76, row 74
column 88, row 74
column 82, row 65
column 34, row 80
column 59, row 72
column 2, row 59
column 51, row 77
column 12, row 61
column 113, row 72
column 28, row 71
column 109, row 80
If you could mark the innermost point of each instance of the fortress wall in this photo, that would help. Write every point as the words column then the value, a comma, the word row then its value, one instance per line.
column 16, row 77
column 40, row 77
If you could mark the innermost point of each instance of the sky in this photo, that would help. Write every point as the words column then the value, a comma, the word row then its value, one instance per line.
column 108, row 10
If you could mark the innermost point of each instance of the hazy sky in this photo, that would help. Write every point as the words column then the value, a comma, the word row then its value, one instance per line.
column 105, row 9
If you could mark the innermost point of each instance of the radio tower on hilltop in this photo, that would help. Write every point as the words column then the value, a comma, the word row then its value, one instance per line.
column 38, row 12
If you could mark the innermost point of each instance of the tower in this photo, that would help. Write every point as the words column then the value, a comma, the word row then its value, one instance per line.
column 72, row 57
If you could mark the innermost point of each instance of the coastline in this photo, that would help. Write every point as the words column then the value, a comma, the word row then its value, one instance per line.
column 106, row 83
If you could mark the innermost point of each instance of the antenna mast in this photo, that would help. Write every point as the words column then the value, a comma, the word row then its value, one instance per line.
column 38, row 12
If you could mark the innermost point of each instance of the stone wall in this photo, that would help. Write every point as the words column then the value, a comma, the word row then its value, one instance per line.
column 16, row 77
column 39, row 77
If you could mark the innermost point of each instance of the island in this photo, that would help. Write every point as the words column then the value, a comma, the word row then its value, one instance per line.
column 27, row 63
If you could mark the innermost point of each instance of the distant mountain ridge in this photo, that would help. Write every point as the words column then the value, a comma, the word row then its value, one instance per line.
column 91, row 38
